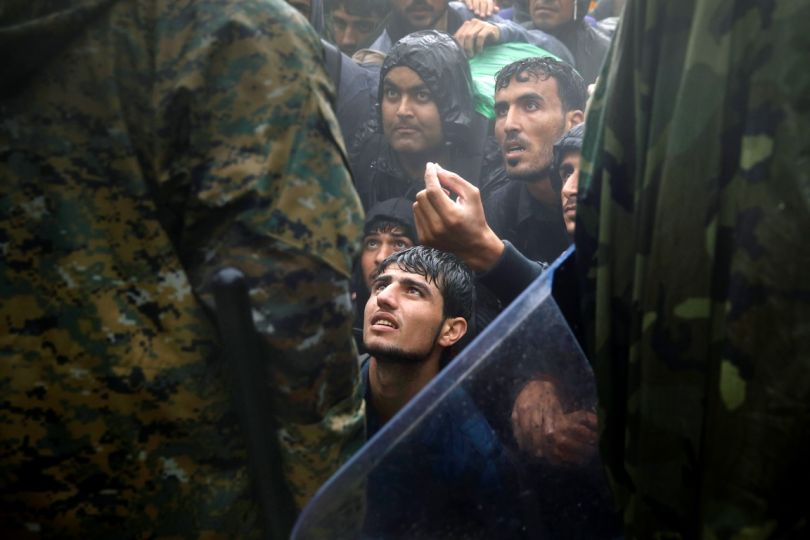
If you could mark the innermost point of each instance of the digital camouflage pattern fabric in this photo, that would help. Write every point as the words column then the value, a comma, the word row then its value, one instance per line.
column 144, row 145
column 692, row 231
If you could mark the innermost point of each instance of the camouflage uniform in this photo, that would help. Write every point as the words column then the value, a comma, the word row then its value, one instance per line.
column 692, row 222
column 144, row 145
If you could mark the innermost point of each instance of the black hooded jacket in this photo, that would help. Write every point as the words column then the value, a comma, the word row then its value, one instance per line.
column 588, row 45
column 442, row 65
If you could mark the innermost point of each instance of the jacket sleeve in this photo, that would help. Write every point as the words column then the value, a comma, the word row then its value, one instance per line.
column 253, row 150
column 511, row 274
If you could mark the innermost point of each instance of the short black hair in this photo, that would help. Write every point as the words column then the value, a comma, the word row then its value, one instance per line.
column 386, row 225
column 450, row 275
column 358, row 8
column 571, row 86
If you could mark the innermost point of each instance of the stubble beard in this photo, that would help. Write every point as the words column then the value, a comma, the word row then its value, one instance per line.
column 398, row 355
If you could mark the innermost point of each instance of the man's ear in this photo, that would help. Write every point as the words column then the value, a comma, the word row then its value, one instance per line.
column 573, row 118
column 453, row 329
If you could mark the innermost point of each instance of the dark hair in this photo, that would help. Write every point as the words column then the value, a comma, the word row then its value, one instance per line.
column 570, row 86
column 359, row 8
column 386, row 225
column 452, row 277
column 571, row 141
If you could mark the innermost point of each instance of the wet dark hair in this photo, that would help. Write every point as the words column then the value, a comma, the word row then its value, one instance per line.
column 385, row 225
column 450, row 275
column 359, row 8
column 571, row 87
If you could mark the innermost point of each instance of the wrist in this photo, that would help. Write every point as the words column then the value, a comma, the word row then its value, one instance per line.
column 485, row 253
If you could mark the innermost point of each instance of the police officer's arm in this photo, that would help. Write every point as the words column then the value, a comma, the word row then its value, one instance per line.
column 266, row 190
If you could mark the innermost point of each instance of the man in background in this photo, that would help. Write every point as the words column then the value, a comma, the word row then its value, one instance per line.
column 354, row 23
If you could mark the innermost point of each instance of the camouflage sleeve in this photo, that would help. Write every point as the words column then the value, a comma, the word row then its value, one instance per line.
column 261, row 183
column 692, row 210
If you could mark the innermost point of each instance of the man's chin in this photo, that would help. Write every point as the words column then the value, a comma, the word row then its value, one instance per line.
column 395, row 355
column 525, row 174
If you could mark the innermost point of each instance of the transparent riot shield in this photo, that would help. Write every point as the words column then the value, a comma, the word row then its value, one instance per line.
column 498, row 445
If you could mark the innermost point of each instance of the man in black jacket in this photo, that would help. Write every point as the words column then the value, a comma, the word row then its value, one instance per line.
column 565, row 20
column 425, row 114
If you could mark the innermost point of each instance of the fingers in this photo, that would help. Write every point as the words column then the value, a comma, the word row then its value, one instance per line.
column 474, row 34
column 482, row 8
column 457, row 184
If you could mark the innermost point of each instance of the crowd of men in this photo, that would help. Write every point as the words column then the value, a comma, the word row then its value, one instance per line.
column 338, row 153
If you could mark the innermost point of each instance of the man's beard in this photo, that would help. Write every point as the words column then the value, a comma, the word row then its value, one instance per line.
column 434, row 19
column 533, row 175
column 397, row 355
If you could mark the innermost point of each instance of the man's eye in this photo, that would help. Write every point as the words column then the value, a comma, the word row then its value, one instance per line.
column 532, row 106
column 372, row 243
column 565, row 172
column 415, row 290
column 378, row 287
column 339, row 24
column 390, row 93
column 399, row 245
column 365, row 27
column 423, row 96
column 500, row 111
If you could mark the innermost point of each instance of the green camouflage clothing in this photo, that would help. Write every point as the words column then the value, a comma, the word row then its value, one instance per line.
column 144, row 145
column 692, row 232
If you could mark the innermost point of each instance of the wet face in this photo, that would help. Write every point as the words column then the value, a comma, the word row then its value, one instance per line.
column 420, row 14
column 548, row 15
column 403, row 317
column 569, row 174
column 378, row 245
column 410, row 117
column 528, row 121
column 352, row 30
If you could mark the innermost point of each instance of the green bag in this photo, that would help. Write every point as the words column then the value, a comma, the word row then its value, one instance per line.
column 484, row 66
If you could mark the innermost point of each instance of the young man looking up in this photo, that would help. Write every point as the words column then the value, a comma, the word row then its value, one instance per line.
column 420, row 304
column 389, row 228
column 421, row 299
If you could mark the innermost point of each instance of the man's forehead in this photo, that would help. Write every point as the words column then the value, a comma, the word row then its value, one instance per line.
column 571, row 155
column 396, row 273
column 526, row 82
column 343, row 12
column 403, row 77
column 393, row 230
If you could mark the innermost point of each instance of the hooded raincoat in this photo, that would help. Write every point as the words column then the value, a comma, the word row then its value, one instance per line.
column 442, row 65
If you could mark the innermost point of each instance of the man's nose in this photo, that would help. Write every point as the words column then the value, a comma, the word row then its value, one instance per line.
column 350, row 35
column 384, row 251
column 387, row 298
column 571, row 184
column 405, row 107
column 511, row 122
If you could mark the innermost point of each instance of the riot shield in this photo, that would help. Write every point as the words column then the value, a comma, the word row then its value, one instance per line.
column 454, row 463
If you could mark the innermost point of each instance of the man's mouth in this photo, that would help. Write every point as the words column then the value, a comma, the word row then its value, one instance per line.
column 384, row 320
column 544, row 9
column 570, row 207
column 405, row 130
column 511, row 150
